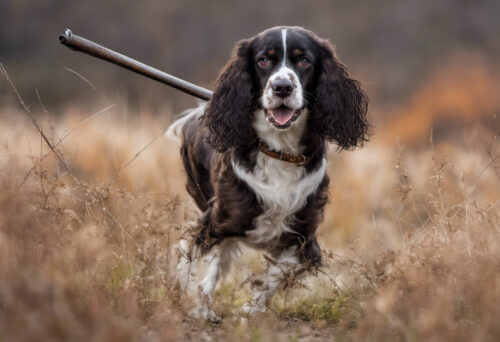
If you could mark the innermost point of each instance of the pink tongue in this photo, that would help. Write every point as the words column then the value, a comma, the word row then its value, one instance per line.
column 281, row 115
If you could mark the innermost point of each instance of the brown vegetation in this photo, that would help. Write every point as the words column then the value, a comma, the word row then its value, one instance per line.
column 412, row 237
column 460, row 91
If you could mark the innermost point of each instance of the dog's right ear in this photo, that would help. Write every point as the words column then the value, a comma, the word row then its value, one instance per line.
column 227, row 117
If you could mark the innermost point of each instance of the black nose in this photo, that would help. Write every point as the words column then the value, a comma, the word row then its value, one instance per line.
column 282, row 88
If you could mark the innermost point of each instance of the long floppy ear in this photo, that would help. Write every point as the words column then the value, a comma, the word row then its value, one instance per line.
column 339, row 110
column 227, row 117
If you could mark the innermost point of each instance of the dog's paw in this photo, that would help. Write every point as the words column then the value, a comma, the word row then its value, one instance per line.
column 204, row 313
column 249, row 309
column 212, row 317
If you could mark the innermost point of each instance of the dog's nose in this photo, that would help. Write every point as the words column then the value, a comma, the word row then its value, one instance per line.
column 282, row 88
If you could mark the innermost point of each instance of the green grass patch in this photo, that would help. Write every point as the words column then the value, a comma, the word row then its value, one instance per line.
column 117, row 276
column 332, row 310
column 228, row 299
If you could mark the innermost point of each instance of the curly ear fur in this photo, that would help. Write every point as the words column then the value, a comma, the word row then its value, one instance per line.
column 339, row 111
column 227, row 117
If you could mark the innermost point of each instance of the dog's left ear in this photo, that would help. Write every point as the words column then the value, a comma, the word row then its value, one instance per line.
column 339, row 110
column 227, row 117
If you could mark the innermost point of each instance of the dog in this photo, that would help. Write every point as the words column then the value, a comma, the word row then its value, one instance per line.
column 255, row 158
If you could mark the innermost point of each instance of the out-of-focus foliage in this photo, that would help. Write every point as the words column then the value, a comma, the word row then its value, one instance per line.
column 411, row 234
column 390, row 45
column 411, row 240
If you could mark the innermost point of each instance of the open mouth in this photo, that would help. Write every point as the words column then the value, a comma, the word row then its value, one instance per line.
column 282, row 116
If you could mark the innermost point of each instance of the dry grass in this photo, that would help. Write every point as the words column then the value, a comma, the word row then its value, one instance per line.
column 411, row 239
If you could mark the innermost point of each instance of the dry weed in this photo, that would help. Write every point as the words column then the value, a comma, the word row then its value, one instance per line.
column 88, row 218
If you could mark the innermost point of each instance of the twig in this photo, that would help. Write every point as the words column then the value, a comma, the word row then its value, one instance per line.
column 40, row 100
column 140, row 151
column 33, row 120
column 79, row 75
column 68, row 132
column 131, row 160
column 120, row 226
column 492, row 161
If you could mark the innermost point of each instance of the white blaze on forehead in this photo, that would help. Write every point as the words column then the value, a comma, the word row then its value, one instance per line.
column 283, row 39
column 295, row 100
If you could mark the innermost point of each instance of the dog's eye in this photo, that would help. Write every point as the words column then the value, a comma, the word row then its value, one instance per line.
column 264, row 62
column 303, row 63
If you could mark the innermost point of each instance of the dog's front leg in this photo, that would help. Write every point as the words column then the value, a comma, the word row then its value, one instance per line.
column 207, row 286
column 218, row 264
column 212, row 265
column 285, row 265
column 191, row 267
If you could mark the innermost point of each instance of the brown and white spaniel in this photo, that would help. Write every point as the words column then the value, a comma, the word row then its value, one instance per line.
column 255, row 158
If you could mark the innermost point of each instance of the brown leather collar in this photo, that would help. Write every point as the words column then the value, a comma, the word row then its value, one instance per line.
column 297, row 160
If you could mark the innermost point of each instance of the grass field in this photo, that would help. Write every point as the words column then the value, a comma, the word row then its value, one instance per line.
column 411, row 236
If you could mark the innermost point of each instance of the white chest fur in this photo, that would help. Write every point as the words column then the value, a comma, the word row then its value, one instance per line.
column 282, row 188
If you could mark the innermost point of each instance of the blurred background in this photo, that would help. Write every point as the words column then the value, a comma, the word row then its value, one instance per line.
column 87, row 226
column 397, row 48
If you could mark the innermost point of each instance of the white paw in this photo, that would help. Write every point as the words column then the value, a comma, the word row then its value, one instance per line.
column 205, row 313
column 250, row 308
column 211, row 317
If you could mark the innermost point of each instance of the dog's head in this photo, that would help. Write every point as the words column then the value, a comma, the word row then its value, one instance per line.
column 285, row 71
